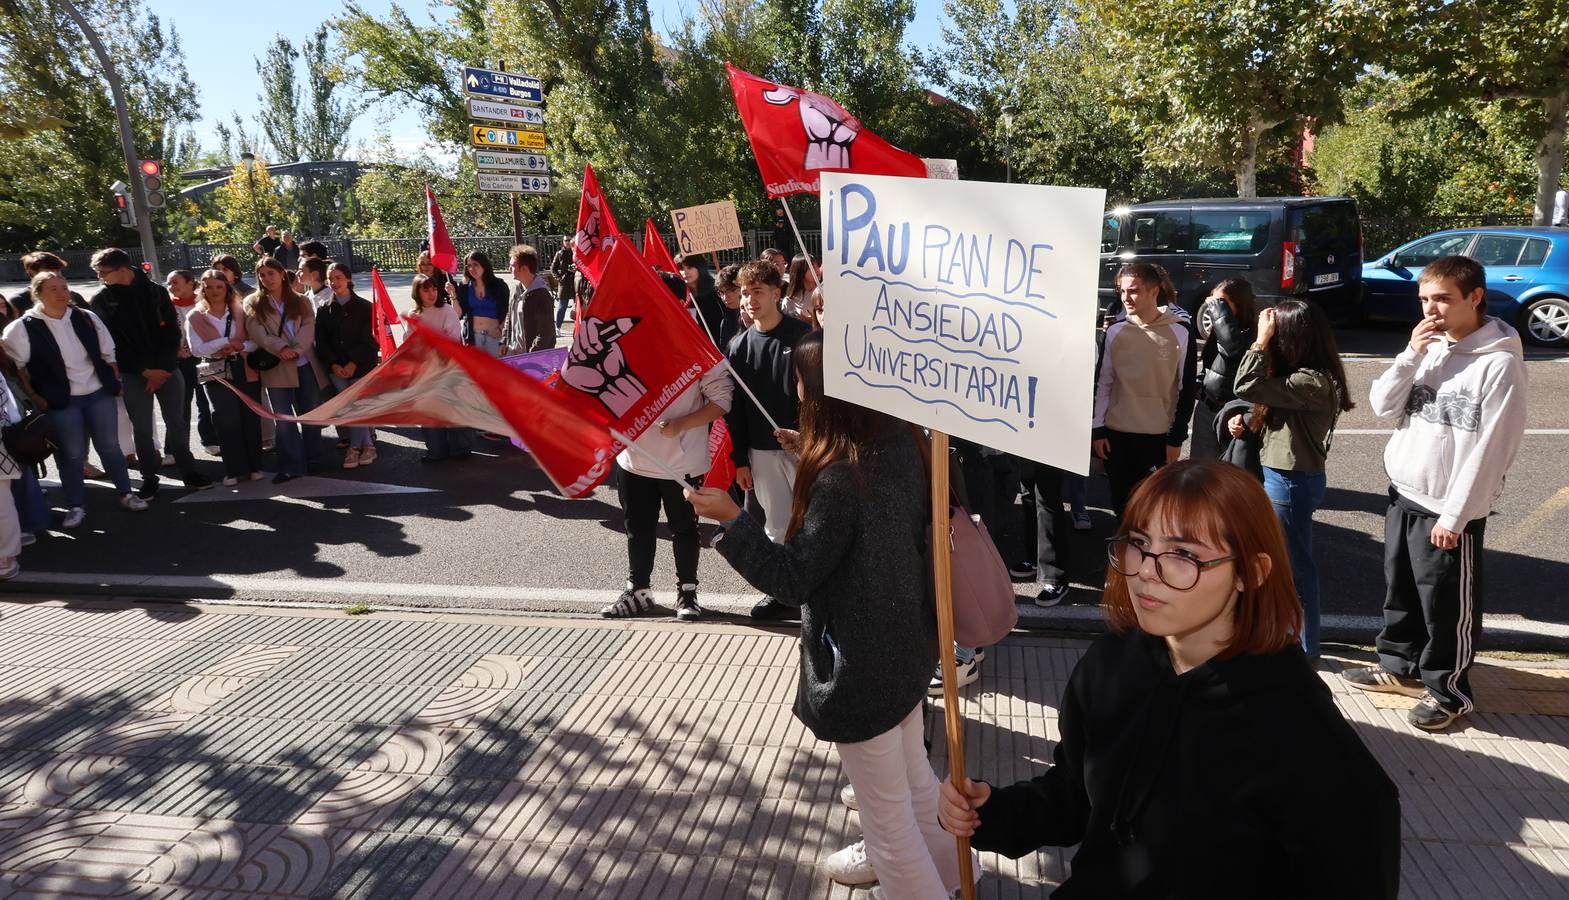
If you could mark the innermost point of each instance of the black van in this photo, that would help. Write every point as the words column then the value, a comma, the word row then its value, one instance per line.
column 1286, row 246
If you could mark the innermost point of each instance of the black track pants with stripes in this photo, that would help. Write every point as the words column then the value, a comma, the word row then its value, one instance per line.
column 1432, row 603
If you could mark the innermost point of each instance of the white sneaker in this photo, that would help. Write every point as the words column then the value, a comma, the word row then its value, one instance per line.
column 847, row 797
column 73, row 518
column 968, row 673
column 133, row 502
column 230, row 481
column 850, row 866
column 257, row 476
column 29, row 539
column 11, row 571
column 168, row 459
column 877, row 893
column 212, row 450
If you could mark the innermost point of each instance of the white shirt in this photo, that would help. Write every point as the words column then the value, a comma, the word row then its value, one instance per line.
column 208, row 349
column 445, row 319
column 78, row 366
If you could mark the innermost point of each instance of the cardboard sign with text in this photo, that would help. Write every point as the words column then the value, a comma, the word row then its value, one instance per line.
column 702, row 229
column 966, row 307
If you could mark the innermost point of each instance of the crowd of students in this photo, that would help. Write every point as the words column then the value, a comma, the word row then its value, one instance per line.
column 1212, row 595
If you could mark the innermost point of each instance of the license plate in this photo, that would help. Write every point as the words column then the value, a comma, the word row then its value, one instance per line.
column 1331, row 278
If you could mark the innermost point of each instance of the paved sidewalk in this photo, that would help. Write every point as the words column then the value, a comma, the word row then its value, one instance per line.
column 168, row 751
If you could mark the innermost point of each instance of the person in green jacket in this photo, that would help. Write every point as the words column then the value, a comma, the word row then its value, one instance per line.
column 1295, row 379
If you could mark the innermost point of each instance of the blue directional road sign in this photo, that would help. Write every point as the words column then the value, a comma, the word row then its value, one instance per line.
column 506, row 85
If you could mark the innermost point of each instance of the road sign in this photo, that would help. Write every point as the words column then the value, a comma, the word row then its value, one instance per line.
column 507, row 85
column 520, row 162
column 504, row 183
column 531, row 118
column 485, row 136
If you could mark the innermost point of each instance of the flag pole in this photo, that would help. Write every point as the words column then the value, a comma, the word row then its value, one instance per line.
column 659, row 464
column 942, row 572
column 799, row 241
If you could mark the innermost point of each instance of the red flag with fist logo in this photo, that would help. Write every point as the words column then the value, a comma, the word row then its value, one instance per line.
column 443, row 255
column 596, row 229
column 797, row 134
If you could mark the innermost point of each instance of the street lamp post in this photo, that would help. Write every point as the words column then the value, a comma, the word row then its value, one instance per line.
column 250, row 180
column 1007, row 138
column 144, row 226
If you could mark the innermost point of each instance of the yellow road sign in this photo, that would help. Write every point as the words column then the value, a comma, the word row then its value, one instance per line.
column 485, row 136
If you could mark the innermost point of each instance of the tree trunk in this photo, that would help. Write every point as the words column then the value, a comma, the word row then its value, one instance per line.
column 1247, row 162
column 1550, row 158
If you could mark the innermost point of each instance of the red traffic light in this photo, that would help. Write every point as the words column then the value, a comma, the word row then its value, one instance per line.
column 152, row 167
column 147, row 267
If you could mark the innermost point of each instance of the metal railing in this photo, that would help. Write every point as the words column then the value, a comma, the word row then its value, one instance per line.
column 387, row 254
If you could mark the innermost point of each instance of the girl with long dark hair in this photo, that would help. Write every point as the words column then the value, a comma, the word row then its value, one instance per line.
column 1294, row 377
column 215, row 330
column 482, row 299
column 854, row 561
column 1231, row 311
column 1200, row 754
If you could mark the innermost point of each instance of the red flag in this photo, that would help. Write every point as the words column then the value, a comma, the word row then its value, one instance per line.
column 443, row 255
column 721, row 468
column 635, row 351
column 796, row 134
column 434, row 381
column 383, row 314
column 596, row 229
column 655, row 253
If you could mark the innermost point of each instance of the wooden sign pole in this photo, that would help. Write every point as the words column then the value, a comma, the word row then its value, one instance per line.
column 942, row 571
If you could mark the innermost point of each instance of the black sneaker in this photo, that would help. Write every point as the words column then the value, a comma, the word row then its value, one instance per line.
column 1380, row 679
column 769, row 609
column 198, row 483
column 1430, row 715
column 1024, row 571
column 283, row 478
column 687, row 609
column 149, row 489
column 1051, row 595
column 630, row 604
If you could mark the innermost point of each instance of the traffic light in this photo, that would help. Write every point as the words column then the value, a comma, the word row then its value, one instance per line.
column 122, row 203
column 152, row 182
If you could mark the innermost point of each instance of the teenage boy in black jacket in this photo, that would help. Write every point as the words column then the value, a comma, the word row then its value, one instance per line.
column 146, row 332
column 760, row 358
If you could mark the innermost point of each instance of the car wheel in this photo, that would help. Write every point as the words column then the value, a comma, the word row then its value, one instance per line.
column 1206, row 320
column 1545, row 321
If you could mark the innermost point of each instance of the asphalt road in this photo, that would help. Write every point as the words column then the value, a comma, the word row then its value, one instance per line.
column 490, row 532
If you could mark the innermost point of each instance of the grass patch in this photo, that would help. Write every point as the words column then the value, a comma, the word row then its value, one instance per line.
column 358, row 609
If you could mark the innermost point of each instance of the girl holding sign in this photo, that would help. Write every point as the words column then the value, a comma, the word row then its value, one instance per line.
column 853, row 560
column 1201, row 755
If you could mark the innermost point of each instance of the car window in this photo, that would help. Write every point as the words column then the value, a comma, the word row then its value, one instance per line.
column 1535, row 252
column 1110, row 229
column 1160, row 231
column 1497, row 249
column 1423, row 252
column 1326, row 226
column 1240, row 231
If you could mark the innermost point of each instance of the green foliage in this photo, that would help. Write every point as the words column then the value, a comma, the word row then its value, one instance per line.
column 243, row 206
column 55, row 184
column 1397, row 161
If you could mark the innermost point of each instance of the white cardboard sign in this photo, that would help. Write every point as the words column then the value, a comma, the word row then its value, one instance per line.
column 712, row 226
column 967, row 307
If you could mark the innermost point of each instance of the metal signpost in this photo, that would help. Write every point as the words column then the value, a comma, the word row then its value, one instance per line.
column 505, row 116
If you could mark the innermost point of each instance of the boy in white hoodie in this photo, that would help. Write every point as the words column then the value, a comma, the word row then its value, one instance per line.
column 1458, row 392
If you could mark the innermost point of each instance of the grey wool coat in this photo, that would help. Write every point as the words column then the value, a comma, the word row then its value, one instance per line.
column 858, row 569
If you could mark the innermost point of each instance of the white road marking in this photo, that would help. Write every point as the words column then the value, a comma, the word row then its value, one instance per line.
column 1530, row 432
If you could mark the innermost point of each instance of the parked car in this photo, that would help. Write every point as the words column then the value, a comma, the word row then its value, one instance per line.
column 1285, row 246
column 1527, row 277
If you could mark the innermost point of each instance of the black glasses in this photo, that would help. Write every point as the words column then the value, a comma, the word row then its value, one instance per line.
column 1177, row 569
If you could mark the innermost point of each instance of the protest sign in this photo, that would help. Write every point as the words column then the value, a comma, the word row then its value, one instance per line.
column 967, row 307
column 707, row 228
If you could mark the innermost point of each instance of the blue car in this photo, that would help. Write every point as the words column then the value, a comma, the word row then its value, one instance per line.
column 1527, row 278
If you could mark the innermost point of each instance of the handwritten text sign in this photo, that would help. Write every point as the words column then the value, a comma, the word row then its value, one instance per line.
column 967, row 307
column 712, row 226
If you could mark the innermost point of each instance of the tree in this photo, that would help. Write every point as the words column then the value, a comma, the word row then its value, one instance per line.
column 326, row 118
column 55, row 184
column 279, row 100
column 1514, row 54
column 1229, row 73
column 243, row 206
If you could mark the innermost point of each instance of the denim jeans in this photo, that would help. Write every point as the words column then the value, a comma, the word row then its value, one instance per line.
column 177, row 437
column 32, row 507
column 95, row 415
column 563, row 303
column 488, row 343
column 1296, row 496
column 294, row 450
column 360, row 436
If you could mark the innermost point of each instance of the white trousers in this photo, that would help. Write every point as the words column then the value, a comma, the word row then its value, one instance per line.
column 10, row 526
column 897, row 791
column 773, row 481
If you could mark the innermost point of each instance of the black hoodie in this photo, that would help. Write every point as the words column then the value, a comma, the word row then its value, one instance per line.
column 1239, row 778
column 143, row 322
